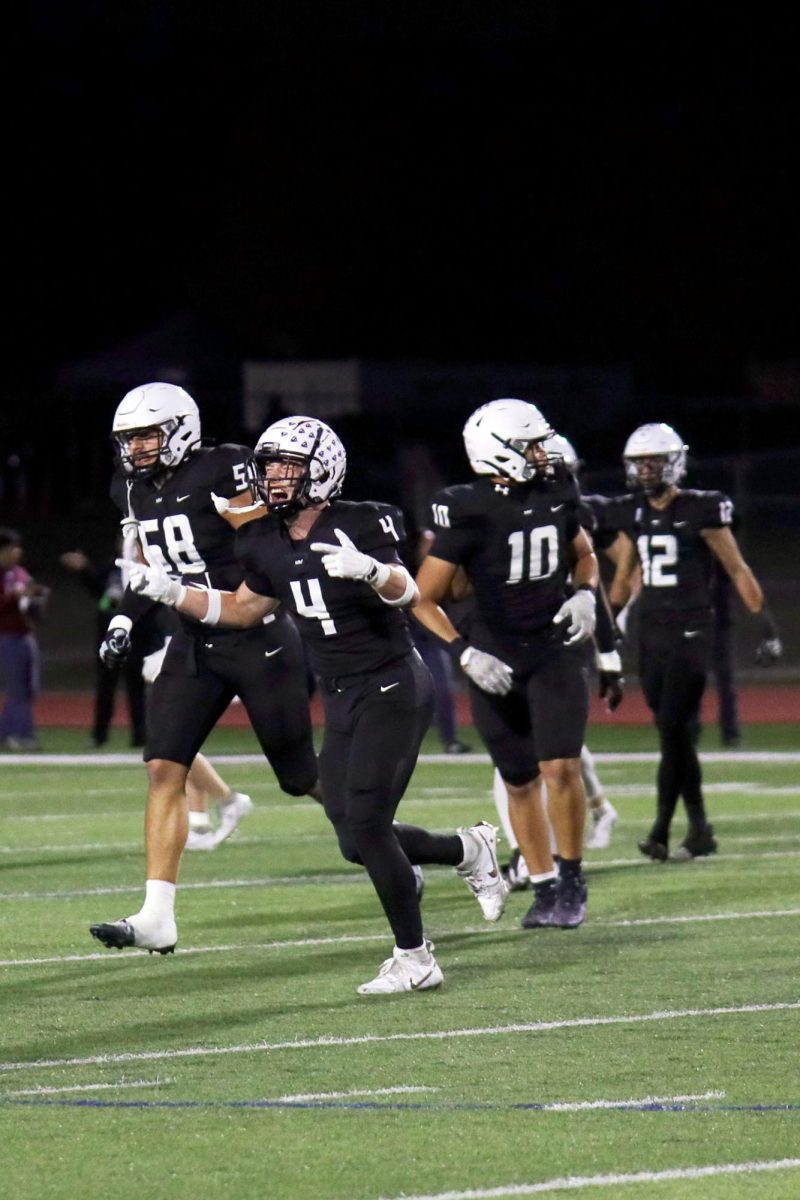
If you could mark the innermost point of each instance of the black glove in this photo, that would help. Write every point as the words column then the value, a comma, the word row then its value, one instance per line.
column 115, row 646
column 611, row 689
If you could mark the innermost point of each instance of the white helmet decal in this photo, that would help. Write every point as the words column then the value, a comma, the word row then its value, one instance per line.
column 655, row 440
column 312, row 444
column 497, row 435
column 163, row 406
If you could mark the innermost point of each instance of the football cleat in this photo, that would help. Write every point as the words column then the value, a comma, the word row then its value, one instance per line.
column 483, row 876
column 516, row 873
column 117, row 935
column 696, row 844
column 603, row 820
column 569, row 910
column 231, row 814
column 404, row 972
column 541, row 912
column 419, row 880
column 201, row 839
column 653, row 849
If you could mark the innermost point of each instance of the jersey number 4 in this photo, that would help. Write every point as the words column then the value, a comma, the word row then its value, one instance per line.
column 314, row 608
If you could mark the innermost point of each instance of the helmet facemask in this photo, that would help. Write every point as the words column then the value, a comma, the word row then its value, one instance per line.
column 654, row 459
column 166, row 456
column 154, row 408
column 498, row 436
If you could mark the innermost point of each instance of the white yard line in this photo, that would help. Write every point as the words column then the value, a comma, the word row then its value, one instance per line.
column 90, row 1087
column 574, row 1183
column 387, row 1091
column 449, row 760
column 344, row 939
column 588, row 1105
column 326, row 1043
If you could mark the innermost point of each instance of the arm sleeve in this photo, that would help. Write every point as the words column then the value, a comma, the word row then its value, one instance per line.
column 605, row 631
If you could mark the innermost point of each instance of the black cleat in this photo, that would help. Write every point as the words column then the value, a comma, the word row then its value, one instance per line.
column 696, row 844
column 570, row 907
column 541, row 912
column 655, row 850
column 118, row 935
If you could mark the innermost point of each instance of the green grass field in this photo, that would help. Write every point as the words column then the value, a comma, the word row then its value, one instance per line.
column 652, row 1053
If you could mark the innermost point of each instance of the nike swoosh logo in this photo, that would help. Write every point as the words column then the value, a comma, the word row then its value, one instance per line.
column 271, row 653
column 420, row 982
column 389, row 686
column 555, row 507
column 692, row 633
column 180, row 498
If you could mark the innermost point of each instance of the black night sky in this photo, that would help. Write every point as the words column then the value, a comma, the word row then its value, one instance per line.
column 533, row 181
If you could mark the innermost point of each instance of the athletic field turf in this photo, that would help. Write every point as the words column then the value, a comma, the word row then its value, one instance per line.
column 652, row 1053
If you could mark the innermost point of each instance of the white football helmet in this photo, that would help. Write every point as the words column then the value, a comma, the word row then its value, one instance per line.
column 161, row 406
column 306, row 442
column 559, row 447
column 497, row 435
column 654, row 458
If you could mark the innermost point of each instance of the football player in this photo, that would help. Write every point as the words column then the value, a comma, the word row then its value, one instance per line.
column 335, row 565
column 670, row 537
column 164, row 488
column 517, row 533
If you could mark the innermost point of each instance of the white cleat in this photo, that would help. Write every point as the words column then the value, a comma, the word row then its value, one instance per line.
column 405, row 971
column 482, row 876
column 603, row 822
column 231, row 814
column 201, row 839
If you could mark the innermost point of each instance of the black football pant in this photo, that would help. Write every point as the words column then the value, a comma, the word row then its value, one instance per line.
column 374, row 724
column 673, row 668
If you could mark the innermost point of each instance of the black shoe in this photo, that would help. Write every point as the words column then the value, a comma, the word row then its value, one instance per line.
column 118, row 935
column 696, row 844
column 570, row 907
column 655, row 850
column 541, row 912
column 456, row 747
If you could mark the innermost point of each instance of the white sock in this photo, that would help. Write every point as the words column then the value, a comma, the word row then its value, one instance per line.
column 159, row 900
column 471, row 852
column 419, row 953
column 198, row 820
column 501, row 804
column 543, row 878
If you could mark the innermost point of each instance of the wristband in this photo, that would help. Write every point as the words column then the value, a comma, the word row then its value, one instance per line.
column 457, row 647
column 214, row 610
column 378, row 574
column 609, row 661
column 408, row 594
column 120, row 622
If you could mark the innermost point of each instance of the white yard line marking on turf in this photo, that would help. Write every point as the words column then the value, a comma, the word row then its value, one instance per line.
column 441, row 760
column 343, row 939
column 325, row 1043
column 587, row 1105
column 388, row 1091
column 90, row 1087
column 573, row 1183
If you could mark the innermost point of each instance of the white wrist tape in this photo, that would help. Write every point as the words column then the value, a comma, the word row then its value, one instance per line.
column 408, row 594
column 120, row 622
column 214, row 610
column 609, row 661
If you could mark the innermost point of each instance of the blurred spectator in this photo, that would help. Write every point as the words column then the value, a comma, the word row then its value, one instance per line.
column 22, row 603
column 105, row 584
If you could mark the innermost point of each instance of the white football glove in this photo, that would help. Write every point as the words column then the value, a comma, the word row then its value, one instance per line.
column 581, row 612
column 154, row 582
column 346, row 562
column 489, row 673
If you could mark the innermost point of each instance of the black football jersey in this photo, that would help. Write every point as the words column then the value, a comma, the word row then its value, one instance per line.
column 346, row 627
column 513, row 542
column 177, row 522
column 677, row 563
